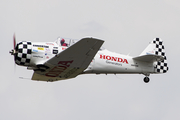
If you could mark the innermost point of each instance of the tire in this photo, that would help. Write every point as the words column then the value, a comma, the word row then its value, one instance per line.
column 146, row 79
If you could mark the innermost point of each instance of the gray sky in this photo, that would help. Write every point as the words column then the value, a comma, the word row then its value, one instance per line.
column 127, row 26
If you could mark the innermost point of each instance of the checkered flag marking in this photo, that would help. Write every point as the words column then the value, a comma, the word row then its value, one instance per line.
column 161, row 66
column 23, row 56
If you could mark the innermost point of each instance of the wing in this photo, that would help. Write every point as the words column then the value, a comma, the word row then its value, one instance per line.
column 149, row 58
column 70, row 62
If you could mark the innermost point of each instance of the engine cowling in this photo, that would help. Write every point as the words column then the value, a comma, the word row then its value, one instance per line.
column 23, row 53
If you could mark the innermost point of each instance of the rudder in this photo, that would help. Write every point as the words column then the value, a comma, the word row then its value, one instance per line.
column 156, row 47
column 161, row 66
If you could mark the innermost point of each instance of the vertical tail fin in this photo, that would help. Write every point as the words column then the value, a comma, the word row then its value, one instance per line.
column 156, row 47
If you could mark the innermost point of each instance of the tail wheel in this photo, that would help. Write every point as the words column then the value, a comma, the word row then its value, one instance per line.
column 146, row 79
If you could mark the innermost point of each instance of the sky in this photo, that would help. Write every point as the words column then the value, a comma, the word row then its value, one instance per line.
column 126, row 26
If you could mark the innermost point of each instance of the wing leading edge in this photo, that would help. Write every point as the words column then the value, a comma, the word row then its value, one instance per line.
column 70, row 62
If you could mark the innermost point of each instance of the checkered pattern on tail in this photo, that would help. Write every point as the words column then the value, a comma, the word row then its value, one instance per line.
column 23, row 55
column 161, row 66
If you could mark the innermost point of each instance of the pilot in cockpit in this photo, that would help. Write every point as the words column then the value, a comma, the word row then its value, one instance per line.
column 62, row 42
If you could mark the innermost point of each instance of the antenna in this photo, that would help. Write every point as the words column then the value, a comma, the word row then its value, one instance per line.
column 25, row 78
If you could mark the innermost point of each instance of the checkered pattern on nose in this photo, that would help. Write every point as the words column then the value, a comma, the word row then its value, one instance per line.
column 23, row 56
column 161, row 66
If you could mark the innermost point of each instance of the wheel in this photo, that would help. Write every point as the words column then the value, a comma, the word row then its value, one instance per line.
column 146, row 79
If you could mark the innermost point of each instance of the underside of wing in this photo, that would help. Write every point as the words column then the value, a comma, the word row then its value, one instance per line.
column 70, row 62
column 39, row 77
column 149, row 58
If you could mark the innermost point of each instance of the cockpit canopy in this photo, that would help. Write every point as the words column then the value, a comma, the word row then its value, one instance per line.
column 67, row 42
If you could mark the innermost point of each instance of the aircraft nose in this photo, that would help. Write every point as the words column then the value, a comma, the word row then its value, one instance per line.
column 23, row 53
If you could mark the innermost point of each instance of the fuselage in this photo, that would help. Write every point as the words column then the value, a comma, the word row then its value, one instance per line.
column 104, row 62
column 108, row 62
column 65, row 59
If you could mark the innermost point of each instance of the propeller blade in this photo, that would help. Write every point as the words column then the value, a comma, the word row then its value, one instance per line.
column 14, row 41
column 14, row 67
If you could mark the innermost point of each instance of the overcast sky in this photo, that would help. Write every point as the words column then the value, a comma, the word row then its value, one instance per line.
column 127, row 26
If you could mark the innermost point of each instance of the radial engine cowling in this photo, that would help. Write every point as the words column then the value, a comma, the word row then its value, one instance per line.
column 23, row 53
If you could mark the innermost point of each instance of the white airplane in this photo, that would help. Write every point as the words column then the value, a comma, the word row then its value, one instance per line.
column 68, row 58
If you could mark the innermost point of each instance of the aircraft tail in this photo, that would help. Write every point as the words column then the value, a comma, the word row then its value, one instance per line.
column 156, row 49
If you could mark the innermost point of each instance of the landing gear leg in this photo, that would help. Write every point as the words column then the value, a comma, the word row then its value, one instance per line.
column 146, row 79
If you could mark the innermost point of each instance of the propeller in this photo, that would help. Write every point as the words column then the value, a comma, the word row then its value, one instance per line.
column 13, row 51
column 14, row 41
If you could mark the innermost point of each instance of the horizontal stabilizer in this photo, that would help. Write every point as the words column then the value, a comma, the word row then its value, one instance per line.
column 149, row 58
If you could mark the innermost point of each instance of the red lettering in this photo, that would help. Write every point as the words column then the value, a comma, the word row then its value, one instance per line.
column 65, row 63
column 125, row 61
column 102, row 56
column 114, row 58
column 108, row 57
column 61, row 67
column 58, row 68
column 120, row 59
column 54, row 72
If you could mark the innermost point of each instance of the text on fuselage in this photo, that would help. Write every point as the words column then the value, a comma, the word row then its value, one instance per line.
column 117, row 59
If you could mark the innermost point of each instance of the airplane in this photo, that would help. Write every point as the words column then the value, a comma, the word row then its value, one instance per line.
column 67, row 58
